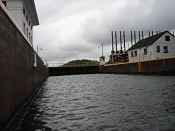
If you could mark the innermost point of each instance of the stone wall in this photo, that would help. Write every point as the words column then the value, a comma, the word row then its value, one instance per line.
column 18, row 76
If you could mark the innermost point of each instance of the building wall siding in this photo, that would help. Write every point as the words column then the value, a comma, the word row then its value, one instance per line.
column 15, row 8
column 152, row 51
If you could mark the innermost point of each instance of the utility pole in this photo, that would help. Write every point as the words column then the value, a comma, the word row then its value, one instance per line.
column 116, row 41
column 124, row 40
column 37, row 49
column 135, row 37
column 121, row 41
column 139, row 35
column 152, row 33
column 142, row 35
column 102, row 49
column 112, row 52
column 131, row 38
column 112, row 41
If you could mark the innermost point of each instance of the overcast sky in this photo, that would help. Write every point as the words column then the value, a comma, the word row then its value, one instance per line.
column 73, row 29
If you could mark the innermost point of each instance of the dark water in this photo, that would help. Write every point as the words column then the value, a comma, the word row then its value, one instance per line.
column 103, row 103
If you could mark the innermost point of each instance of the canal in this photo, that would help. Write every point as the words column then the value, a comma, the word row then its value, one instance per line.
column 103, row 103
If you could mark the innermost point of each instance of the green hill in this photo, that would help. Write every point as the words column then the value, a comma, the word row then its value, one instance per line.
column 78, row 63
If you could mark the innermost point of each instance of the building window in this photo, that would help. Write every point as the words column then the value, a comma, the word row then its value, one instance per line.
column 29, row 36
column 29, row 23
column 145, row 51
column 135, row 53
column 24, row 27
column 167, row 38
column 165, row 49
column 24, row 11
column 132, row 54
column 27, row 31
column 27, row 19
column 158, row 49
column 4, row 2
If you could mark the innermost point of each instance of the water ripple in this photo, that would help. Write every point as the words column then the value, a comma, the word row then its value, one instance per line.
column 103, row 103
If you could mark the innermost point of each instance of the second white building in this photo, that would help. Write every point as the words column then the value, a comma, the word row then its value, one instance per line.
column 156, row 47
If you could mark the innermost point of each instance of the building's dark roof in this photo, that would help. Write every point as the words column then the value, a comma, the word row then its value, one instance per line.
column 147, row 41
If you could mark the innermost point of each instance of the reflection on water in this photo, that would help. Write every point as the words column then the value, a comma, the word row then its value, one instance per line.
column 103, row 103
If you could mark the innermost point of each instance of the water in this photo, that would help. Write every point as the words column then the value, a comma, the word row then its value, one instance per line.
column 103, row 103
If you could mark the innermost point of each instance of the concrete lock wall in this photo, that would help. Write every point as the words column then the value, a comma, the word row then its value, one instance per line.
column 58, row 71
column 119, row 69
column 165, row 66
column 18, row 76
column 157, row 67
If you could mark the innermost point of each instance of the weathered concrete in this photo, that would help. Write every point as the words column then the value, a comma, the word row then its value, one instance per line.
column 158, row 67
column 17, row 74
column 57, row 71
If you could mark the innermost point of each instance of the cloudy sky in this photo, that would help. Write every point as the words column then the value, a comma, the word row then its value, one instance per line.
column 74, row 29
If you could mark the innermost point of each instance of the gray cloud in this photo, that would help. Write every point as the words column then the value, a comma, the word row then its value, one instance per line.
column 73, row 29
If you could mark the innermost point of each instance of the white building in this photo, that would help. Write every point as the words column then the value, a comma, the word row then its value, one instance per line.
column 24, row 14
column 159, row 46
